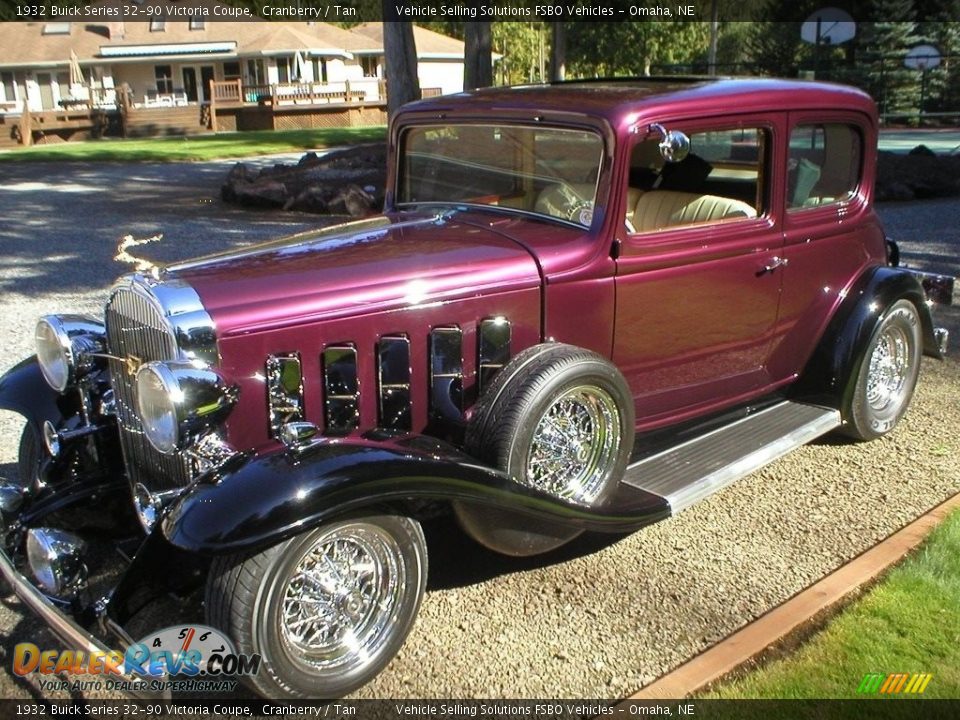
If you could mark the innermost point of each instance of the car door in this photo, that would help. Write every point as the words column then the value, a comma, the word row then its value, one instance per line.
column 830, row 230
column 699, row 269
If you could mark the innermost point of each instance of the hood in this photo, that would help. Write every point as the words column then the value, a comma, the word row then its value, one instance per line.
column 382, row 263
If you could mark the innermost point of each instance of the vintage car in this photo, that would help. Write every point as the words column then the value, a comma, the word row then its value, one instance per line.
column 585, row 307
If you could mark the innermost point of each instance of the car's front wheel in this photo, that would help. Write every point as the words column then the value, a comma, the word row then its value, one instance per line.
column 887, row 374
column 326, row 610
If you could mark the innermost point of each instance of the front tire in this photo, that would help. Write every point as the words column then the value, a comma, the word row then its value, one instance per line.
column 326, row 610
column 887, row 374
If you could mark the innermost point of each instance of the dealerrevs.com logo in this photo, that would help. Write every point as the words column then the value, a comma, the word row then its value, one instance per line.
column 894, row 683
column 182, row 657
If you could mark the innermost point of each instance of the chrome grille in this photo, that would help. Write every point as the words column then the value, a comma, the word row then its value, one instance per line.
column 138, row 332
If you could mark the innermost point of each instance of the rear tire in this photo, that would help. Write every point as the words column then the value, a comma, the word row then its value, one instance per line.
column 887, row 375
column 326, row 610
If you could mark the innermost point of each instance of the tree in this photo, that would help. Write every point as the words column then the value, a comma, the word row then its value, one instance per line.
column 400, row 59
column 558, row 52
column 882, row 46
column 478, row 48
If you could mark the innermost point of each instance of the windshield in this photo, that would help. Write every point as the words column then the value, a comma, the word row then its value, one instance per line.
column 540, row 170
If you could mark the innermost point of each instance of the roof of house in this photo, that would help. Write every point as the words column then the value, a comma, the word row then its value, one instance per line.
column 429, row 44
column 106, row 38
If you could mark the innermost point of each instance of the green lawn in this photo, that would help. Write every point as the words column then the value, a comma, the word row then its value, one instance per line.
column 909, row 623
column 197, row 147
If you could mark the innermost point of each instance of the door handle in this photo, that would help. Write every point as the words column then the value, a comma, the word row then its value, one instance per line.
column 775, row 262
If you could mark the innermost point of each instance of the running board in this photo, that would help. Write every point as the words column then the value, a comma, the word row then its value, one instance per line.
column 688, row 473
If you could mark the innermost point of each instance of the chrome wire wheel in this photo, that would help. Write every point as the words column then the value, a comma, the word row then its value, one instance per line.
column 890, row 367
column 338, row 604
column 887, row 374
column 574, row 444
column 326, row 610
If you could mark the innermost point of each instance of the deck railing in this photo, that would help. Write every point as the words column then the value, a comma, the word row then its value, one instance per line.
column 233, row 92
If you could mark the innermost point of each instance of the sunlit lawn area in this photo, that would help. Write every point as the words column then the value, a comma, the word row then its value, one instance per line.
column 909, row 623
column 197, row 147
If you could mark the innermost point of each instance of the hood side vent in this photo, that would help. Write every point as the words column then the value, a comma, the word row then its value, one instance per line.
column 493, row 350
column 393, row 376
column 284, row 390
column 446, row 373
column 341, row 389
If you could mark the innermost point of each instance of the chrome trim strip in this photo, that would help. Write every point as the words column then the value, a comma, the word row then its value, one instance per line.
column 493, row 349
column 69, row 632
column 284, row 391
column 446, row 373
column 393, row 382
column 341, row 389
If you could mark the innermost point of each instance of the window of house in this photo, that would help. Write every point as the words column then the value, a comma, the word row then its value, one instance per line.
column 256, row 75
column 231, row 70
column 197, row 23
column 157, row 25
column 320, row 69
column 721, row 179
column 824, row 164
column 284, row 69
column 369, row 64
column 8, row 89
column 164, row 78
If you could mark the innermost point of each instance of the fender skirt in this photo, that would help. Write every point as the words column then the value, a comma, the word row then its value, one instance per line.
column 825, row 379
column 23, row 390
column 259, row 500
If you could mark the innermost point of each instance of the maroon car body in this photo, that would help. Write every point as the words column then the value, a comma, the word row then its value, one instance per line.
column 684, row 276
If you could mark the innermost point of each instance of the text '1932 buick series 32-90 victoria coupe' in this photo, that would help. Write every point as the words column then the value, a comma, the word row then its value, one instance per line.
column 585, row 307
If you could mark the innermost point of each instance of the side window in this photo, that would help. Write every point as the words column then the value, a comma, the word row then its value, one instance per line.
column 824, row 164
column 722, row 179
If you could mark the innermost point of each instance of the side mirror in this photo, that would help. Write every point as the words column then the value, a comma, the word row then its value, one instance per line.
column 674, row 146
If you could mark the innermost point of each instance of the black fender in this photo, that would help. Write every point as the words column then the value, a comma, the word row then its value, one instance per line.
column 826, row 378
column 259, row 500
column 23, row 390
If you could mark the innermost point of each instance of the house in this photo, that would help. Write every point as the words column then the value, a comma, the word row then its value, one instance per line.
column 439, row 58
column 171, row 72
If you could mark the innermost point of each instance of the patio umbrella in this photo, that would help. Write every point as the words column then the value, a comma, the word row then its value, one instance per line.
column 76, row 74
column 300, row 66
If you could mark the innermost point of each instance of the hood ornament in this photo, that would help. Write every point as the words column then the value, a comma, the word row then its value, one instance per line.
column 141, row 265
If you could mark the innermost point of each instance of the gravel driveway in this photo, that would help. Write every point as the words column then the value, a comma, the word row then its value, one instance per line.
column 599, row 618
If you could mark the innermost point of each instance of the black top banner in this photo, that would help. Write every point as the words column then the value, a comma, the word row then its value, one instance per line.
column 358, row 11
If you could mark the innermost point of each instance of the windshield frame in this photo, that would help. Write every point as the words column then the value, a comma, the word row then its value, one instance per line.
column 599, row 185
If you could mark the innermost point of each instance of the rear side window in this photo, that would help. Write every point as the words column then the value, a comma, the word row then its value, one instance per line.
column 824, row 164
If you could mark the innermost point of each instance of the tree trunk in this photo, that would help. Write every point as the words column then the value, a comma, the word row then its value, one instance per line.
column 401, row 63
column 477, row 61
column 558, row 52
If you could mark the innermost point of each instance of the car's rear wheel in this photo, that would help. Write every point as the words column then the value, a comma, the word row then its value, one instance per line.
column 887, row 374
column 326, row 610
column 559, row 419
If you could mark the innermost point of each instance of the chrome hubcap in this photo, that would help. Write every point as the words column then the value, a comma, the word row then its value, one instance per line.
column 339, row 602
column 574, row 444
column 889, row 369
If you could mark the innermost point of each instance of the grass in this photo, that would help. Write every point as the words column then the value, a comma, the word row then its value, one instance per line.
column 196, row 147
column 908, row 623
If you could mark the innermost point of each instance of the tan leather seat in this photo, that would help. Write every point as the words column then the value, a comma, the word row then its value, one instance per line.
column 667, row 208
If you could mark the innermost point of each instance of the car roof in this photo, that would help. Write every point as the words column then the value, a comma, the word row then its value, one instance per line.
column 621, row 101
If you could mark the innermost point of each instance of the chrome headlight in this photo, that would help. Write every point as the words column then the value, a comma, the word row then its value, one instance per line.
column 64, row 344
column 179, row 398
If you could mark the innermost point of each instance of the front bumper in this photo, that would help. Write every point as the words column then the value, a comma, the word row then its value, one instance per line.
column 73, row 635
